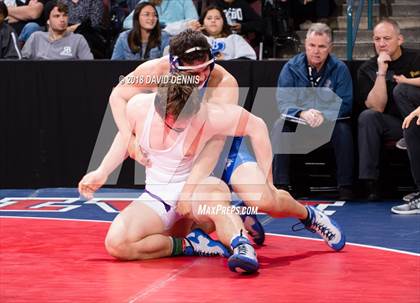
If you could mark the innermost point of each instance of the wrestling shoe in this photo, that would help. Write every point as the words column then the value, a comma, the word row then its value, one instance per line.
column 244, row 257
column 198, row 243
column 410, row 208
column 326, row 227
column 253, row 226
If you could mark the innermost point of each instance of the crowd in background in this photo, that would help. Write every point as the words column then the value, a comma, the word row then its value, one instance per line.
column 141, row 29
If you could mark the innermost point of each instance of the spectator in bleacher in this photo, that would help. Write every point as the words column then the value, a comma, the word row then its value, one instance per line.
column 145, row 40
column 84, row 17
column 174, row 15
column 317, row 107
column 8, row 40
column 88, row 11
column 243, row 19
column 27, row 17
column 381, row 120
column 22, row 12
column 57, row 43
column 225, row 44
column 407, row 98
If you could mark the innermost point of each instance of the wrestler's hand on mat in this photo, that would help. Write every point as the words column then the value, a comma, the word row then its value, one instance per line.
column 91, row 182
column 137, row 153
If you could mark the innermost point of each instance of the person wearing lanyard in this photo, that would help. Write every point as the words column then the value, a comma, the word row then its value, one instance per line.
column 315, row 90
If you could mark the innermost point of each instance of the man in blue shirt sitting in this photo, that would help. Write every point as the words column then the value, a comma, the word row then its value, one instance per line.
column 315, row 89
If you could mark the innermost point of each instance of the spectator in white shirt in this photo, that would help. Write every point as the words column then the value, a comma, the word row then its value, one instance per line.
column 225, row 45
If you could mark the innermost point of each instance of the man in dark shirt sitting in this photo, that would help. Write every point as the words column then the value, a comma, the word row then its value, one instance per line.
column 381, row 120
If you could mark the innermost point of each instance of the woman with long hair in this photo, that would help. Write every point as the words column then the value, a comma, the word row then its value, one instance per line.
column 225, row 44
column 145, row 40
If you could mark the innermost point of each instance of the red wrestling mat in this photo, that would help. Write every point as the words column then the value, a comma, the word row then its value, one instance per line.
column 65, row 261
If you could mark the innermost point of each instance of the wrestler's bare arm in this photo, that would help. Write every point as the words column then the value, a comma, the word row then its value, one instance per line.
column 117, row 153
column 222, row 88
column 93, row 180
column 134, row 83
column 233, row 120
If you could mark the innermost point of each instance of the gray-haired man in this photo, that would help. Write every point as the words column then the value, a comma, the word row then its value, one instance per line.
column 316, row 71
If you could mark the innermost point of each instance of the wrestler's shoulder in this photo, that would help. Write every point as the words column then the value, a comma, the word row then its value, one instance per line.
column 221, row 77
column 140, row 103
column 219, row 109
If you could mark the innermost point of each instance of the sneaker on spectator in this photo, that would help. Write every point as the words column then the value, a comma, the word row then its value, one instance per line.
column 408, row 197
column 401, row 144
column 410, row 208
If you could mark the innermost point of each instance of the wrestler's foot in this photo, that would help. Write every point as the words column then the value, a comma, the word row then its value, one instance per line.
column 253, row 226
column 326, row 227
column 244, row 258
column 198, row 243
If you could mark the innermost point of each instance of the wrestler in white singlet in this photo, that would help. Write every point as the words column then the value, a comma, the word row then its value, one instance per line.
column 166, row 177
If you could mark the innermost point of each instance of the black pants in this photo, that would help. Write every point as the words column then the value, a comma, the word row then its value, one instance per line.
column 375, row 128
column 341, row 140
column 407, row 98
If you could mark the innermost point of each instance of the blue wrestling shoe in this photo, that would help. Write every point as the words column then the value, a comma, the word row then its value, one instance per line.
column 253, row 226
column 244, row 258
column 198, row 243
column 327, row 228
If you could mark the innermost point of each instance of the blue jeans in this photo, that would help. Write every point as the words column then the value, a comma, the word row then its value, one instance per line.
column 28, row 29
